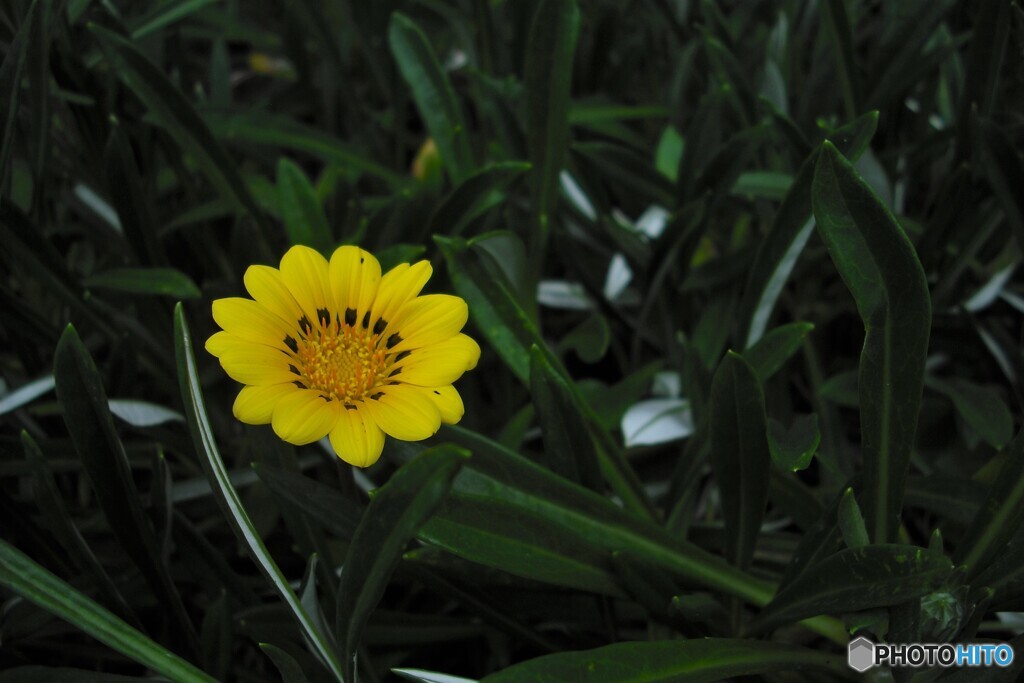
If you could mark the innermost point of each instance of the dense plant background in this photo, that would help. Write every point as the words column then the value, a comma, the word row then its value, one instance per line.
column 720, row 363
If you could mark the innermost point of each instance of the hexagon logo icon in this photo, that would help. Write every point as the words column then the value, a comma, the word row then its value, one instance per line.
column 861, row 654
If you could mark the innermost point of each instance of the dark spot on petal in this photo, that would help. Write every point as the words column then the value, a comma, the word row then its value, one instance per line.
column 394, row 339
column 294, row 370
column 437, row 392
column 396, row 371
column 366, row 320
column 349, row 406
column 326, row 398
column 290, row 342
column 324, row 316
column 305, row 325
column 402, row 356
column 350, row 317
column 300, row 385
column 361, row 259
column 379, row 326
column 376, row 396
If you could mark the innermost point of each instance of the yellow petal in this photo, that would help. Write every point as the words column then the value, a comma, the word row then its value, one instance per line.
column 249, row 320
column 255, row 364
column 266, row 285
column 426, row 320
column 439, row 364
column 303, row 416
column 255, row 405
column 220, row 342
column 357, row 439
column 447, row 400
column 305, row 272
column 399, row 285
column 355, row 278
column 403, row 413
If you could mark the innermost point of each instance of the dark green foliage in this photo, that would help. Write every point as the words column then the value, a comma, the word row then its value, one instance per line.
column 746, row 277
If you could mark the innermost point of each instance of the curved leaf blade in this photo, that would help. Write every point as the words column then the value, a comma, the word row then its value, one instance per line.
column 392, row 519
column 881, row 269
column 35, row 583
column 675, row 661
column 227, row 496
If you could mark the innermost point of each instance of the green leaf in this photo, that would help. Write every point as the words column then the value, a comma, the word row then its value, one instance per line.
column 325, row 505
column 164, row 15
column 879, row 266
column 81, row 394
column 793, row 448
column 740, row 456
column 127, row 195
column 492, row 305
column 289, row 669
column 142, row 413
column 11, row 73
column 626, row 169
column 837, row 24
column 792, row 227
column 547, row 83
column 856, row 579
column 851, row 522
column 1002, row 164
column 176, row 115
column 980, row 407
column 260, row 128
column 771, row 352
column 395, row 514
column 156, row 281
column 474, row 196
column 51, row 504
column 675, row 661
column 420, row 676
column 999, row 516
column 433, row 94
column 568, row 446
column 227, row 496
column 303, row 217
column 550, row 507
column 24, row 577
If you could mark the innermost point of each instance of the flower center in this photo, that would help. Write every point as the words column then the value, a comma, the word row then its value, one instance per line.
column 342, row 361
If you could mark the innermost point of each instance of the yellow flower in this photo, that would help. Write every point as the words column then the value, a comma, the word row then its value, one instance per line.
column 335, row 349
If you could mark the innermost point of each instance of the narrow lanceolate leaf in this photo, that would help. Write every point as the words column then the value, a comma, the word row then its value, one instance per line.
column 474, row 196
column 837, row 24
column 999, row 516
column 11, row 73
column 88, row 419
column 980, row 407
column 303, row 217
column 394, row 516
column 176, row 115
column 156, row 281
column 851, row 522
column 289, row 669
column 547, row 83
column 492, row 305
column 771, row 352
column 675, row 661
column 124, row 184
column 36, row 584
column 740, row 456
column 879, row 266
column 433, row 93
column 568, row 446
column 55, row 512
column 790, row 230
column 227, row 496
column 856, row 579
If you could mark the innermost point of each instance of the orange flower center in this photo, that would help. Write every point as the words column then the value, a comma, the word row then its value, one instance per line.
column 341, row 361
